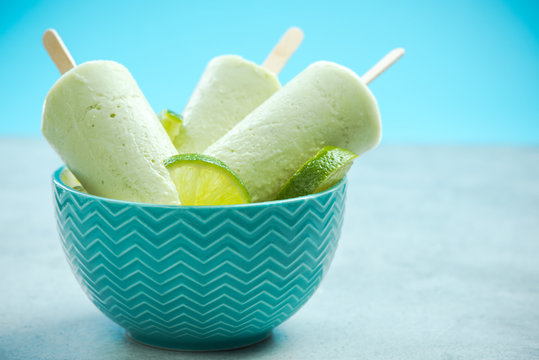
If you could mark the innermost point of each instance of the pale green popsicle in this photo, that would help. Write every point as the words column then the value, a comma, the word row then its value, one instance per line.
column 229, row 89
column 326, row 104
column 99, row 122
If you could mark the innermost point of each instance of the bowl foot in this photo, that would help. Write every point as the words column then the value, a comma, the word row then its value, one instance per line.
column 200, row 345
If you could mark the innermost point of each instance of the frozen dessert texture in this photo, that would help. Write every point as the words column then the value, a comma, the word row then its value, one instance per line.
column 326, row 104
column 229, row 89
column 99, row 122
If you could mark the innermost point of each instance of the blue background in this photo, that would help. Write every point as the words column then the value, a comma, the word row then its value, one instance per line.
column 470, row 75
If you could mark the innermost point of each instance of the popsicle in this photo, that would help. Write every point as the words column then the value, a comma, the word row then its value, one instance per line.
column 229, row 89
column 326, row 104
column 99, row 122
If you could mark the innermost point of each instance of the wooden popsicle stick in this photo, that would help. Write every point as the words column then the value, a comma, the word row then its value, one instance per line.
column 58, row 51
column 284, row 49
column 382, row 65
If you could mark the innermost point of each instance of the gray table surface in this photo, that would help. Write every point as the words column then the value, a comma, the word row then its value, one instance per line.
column 438, row 259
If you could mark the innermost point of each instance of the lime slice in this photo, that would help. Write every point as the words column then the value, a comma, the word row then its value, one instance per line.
column 204, row 180
column 70, row 180
column 172, row 122
column 319, row 173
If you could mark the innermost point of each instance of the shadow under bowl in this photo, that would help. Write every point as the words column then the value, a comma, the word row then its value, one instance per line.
column 198, row 277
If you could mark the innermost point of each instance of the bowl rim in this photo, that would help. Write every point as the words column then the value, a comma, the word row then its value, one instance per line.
column 57, row 182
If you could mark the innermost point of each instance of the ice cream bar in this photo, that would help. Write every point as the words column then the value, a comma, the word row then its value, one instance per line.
column 99, row 122
column 229, row 89
column 326, row 104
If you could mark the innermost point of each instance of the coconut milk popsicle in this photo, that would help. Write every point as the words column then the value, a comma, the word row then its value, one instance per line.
column 99, row 122
column 326, row 104
column 229, row 89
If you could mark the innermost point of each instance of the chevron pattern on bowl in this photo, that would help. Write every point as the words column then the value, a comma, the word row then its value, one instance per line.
column 198, row 278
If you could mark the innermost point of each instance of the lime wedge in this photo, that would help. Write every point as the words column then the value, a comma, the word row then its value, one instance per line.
column 319, row 173
column 204, row 180
column 172, row 122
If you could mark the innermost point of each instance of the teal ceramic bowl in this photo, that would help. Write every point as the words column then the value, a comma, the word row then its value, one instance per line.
column 198, row 278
